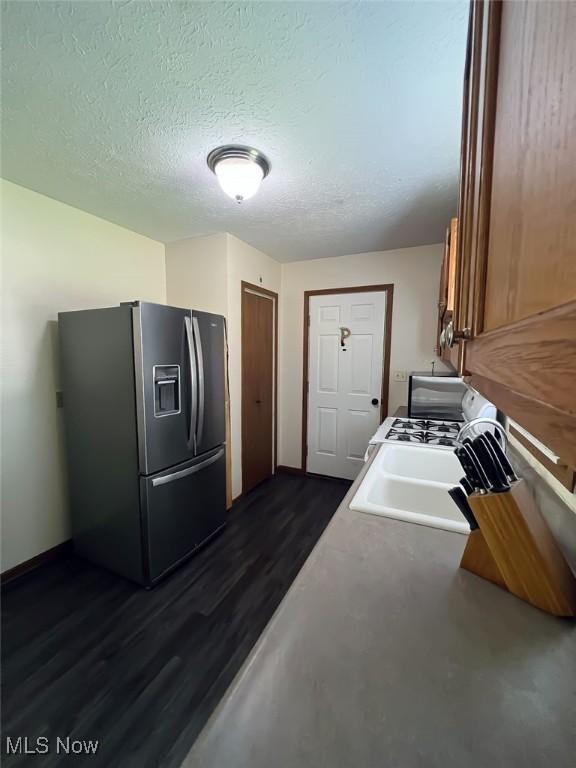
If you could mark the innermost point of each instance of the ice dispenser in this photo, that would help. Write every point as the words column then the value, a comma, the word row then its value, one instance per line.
column 166, row 390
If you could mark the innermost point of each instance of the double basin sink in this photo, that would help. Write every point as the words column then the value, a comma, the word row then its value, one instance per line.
column 411, row 483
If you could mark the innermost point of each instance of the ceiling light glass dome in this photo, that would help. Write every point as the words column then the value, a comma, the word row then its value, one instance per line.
column 239, row 170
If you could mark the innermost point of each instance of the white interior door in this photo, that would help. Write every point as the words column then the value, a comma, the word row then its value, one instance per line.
column 344, row 378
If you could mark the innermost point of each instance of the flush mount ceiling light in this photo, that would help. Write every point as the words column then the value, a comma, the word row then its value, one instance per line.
column 239, row 170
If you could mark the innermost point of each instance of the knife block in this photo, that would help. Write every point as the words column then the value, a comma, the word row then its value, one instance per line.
column 514, row 548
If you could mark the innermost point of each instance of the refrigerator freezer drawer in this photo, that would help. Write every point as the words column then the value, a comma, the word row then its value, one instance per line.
column 182, row 508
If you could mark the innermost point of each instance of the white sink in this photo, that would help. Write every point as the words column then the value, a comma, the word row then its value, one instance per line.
column 420, row 463
column 411, row 483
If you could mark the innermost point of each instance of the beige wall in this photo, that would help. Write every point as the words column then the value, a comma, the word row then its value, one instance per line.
column 197, row 273
column 206, row 273
column 415, row 273
column 54, row 258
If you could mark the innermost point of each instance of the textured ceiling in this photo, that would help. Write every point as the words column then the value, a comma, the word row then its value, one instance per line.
column 113, row 107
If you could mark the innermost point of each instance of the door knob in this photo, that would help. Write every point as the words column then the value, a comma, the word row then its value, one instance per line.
column 451, row 334
column 258, row 401
column 375, row 401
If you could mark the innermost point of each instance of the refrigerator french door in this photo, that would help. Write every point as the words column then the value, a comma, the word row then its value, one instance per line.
column 208, row 343
column 179, row 365
column 144, row 392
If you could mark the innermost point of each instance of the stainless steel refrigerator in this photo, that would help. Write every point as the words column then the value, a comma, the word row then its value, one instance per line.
column 143, row 396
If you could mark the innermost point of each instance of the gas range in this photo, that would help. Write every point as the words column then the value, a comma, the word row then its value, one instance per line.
column 430, row 432
column 433, row 433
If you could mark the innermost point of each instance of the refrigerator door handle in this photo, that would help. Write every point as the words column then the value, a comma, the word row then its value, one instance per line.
column 191, row 438
column 190, row 471
column 200, row 357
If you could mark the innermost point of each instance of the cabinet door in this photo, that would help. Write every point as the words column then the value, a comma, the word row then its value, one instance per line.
column 464, row 258
column 447, row 293
column 479, row 98
column 516, row 297
column 451, row 266
column 443, row 295
column 531, row 261
column 451, row 355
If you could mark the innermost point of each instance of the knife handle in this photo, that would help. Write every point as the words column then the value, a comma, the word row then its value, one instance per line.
column 473, row 469
column 491, row 465
column 467, row 485
column 459, row 498
column 499, row 451
column 495, row 459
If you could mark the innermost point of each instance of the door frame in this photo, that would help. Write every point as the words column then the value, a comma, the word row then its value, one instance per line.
column 258, row 289
column 388, row 289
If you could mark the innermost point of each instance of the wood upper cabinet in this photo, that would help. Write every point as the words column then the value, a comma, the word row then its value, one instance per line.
column 533, row 191
column 515, row 284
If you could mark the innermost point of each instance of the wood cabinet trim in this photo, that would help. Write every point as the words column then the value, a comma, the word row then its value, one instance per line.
column 552, row 426
column 443, row 293
column 536, row 356
column 451, row 264
column 564, row 474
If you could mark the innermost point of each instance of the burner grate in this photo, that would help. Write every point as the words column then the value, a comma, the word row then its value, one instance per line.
column 440, row 440
column 408, row 433
column 426, row 425
column 409, row 436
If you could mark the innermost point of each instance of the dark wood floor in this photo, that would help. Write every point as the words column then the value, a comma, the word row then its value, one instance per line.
column 88, row 655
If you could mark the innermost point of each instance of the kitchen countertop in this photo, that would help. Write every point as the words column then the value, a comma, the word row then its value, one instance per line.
column 385, row 653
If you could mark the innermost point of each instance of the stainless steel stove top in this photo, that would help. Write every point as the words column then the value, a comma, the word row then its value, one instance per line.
column 441, row 434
